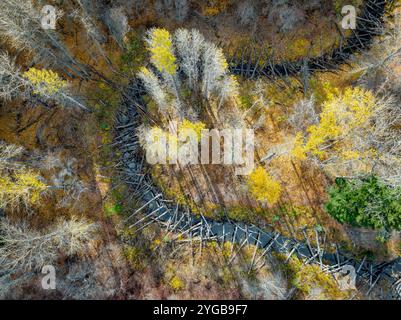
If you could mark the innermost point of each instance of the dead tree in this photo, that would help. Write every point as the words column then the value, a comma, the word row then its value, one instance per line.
column 20, row 23
column 26, row 249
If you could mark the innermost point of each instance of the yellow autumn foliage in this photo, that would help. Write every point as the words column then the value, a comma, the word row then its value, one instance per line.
column 299, row 150
column 195, row 126
column 340, row 116
column 45, row 82
column 145, row 71
column 161, row 48
column 263, row 187
column 222, row 61
column 176, row 283
column 23, row 187
column 299, row 48
column 214, row 7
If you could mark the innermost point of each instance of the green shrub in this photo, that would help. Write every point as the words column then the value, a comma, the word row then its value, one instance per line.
column 365, row 202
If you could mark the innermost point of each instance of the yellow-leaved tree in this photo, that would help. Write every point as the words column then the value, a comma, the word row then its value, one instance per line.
column 197, row 127
column 45, row 82
column 18, row 184
column 23, row 188
column 160, row 46
column 342, row 127
column 263, row 187
column 49, row 85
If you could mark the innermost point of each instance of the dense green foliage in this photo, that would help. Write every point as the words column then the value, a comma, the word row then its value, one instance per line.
column 365, row 202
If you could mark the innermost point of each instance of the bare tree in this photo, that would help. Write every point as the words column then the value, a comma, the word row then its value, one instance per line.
column 190, row 44
column 228, row 88
column 89, row 23
column 117, row 22
column 379, row 69
column 379, row 66
column 246, row 12
column 26, row 249
column 214, row 69
column 187, row 62
column 181, row 10
column 93, row 32
column 386, row 139
column 8, row 155
column 304, row 115
column 373, row 146
column 20, row 22
column 153, row 86
column 12, row 81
